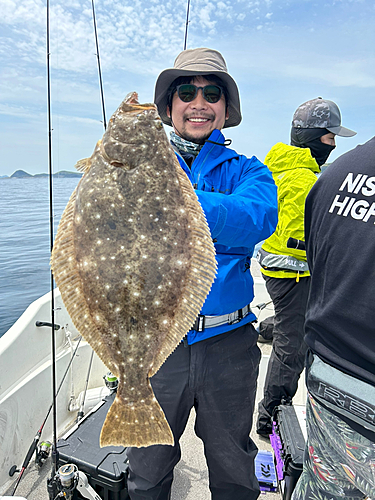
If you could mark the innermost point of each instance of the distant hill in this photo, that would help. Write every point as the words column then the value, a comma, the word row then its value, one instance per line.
column 65, row 173
column 21, row 174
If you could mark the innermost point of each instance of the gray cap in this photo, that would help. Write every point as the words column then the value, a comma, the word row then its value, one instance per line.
column 320, row 113
column 195, row 62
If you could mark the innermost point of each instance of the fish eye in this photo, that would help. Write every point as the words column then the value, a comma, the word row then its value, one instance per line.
column 158, row 124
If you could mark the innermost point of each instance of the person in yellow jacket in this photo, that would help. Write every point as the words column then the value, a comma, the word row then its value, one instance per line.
column 294, row 168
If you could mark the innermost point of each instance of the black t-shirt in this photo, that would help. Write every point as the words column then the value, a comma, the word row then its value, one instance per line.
column 340, row 246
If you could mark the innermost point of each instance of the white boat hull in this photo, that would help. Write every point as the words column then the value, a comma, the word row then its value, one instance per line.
column 26, row 374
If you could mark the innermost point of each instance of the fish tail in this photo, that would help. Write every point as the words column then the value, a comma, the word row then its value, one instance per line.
column 140, row 424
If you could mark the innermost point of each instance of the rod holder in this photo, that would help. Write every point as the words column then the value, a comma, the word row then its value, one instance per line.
column 44, row 323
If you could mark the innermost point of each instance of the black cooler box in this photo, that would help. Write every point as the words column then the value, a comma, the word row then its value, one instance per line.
column 288, row 443
column 106, row 468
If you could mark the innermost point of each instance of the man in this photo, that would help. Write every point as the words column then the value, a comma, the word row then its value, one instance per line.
column 340, row 317
column 314, row 127
column 215, row 369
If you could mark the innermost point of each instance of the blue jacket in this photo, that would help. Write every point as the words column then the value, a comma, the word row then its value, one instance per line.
column 239, row 198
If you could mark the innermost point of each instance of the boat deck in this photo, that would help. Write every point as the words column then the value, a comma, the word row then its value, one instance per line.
column 191, row 474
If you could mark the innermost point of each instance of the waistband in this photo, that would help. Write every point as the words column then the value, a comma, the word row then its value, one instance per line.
column 346, row 395
column 203, row 322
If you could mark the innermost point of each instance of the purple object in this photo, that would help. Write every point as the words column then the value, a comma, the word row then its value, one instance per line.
column 265, row 471
column 277, row 448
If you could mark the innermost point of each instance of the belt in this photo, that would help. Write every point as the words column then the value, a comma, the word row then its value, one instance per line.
column 203, row 322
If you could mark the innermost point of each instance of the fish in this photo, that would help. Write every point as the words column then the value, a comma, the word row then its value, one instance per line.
column 134, row 261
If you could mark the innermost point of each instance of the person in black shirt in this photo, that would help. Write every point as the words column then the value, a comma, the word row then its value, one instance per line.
column 340, row 331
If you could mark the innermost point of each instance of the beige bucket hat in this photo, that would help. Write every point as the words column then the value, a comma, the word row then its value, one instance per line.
column 192, row 62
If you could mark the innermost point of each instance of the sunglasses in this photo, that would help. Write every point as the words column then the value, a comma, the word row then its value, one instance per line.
column 187, row 92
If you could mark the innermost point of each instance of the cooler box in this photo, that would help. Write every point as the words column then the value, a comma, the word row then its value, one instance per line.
column 106, row 468
column 288, row 443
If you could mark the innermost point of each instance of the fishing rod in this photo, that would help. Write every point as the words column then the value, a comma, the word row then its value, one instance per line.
column 187, row 22
column 81, row 410
column 55, row 455
column 263, row 305
column 34, row 444
column 53, row 354
column 99, row 68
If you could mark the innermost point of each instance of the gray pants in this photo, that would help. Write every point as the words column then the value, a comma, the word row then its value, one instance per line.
column 339, row 463
column 218, row 378
column 288, row 347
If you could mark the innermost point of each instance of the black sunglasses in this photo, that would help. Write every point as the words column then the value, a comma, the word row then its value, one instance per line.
column 187, row 92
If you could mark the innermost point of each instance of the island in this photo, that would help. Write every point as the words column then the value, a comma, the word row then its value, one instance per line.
column 21, row 174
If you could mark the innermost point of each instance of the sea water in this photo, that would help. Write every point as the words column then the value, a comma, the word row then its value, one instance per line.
column 25, row 246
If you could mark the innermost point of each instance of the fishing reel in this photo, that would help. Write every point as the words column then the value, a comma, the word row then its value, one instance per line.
column 69, row 478
column 111, row 381
column 66, row 480
column 42, row 453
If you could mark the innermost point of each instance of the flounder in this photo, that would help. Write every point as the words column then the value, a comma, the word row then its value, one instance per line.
column 134, row 261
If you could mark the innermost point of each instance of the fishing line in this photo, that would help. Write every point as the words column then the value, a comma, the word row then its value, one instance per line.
column 99, row 68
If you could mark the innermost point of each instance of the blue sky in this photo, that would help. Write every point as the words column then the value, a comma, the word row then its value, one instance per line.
column 281, row 53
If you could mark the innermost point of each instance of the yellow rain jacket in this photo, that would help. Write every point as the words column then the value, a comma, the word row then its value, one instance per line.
column 294, row 172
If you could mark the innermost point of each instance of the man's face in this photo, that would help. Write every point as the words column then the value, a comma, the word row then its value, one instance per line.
column 195, row 120
column 328, row 139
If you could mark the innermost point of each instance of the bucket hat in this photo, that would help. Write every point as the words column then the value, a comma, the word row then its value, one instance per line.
column 193, row 62
column 320, row 113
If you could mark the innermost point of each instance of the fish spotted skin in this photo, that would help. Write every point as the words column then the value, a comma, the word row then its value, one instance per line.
column 134, row 261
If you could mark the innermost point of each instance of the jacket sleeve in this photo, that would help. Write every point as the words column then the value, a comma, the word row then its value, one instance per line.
column 292, row 195
column 249, row 214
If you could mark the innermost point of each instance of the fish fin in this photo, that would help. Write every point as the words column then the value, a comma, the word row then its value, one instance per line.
column 201, row 274
column 83, row 165
column 131, row 98
column 68, row 280
column 138, row 425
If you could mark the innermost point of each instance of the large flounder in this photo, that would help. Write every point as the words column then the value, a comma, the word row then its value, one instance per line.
column 134, row 261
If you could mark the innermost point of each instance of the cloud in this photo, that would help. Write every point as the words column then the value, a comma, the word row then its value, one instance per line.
column 16, row 111
column 280, row 53
column 130, row 33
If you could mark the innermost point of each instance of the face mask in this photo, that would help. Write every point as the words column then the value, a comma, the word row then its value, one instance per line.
column 310, row 138
column 320, row 151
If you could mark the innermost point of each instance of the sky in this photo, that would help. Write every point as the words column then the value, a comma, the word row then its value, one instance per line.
column 281, row 53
